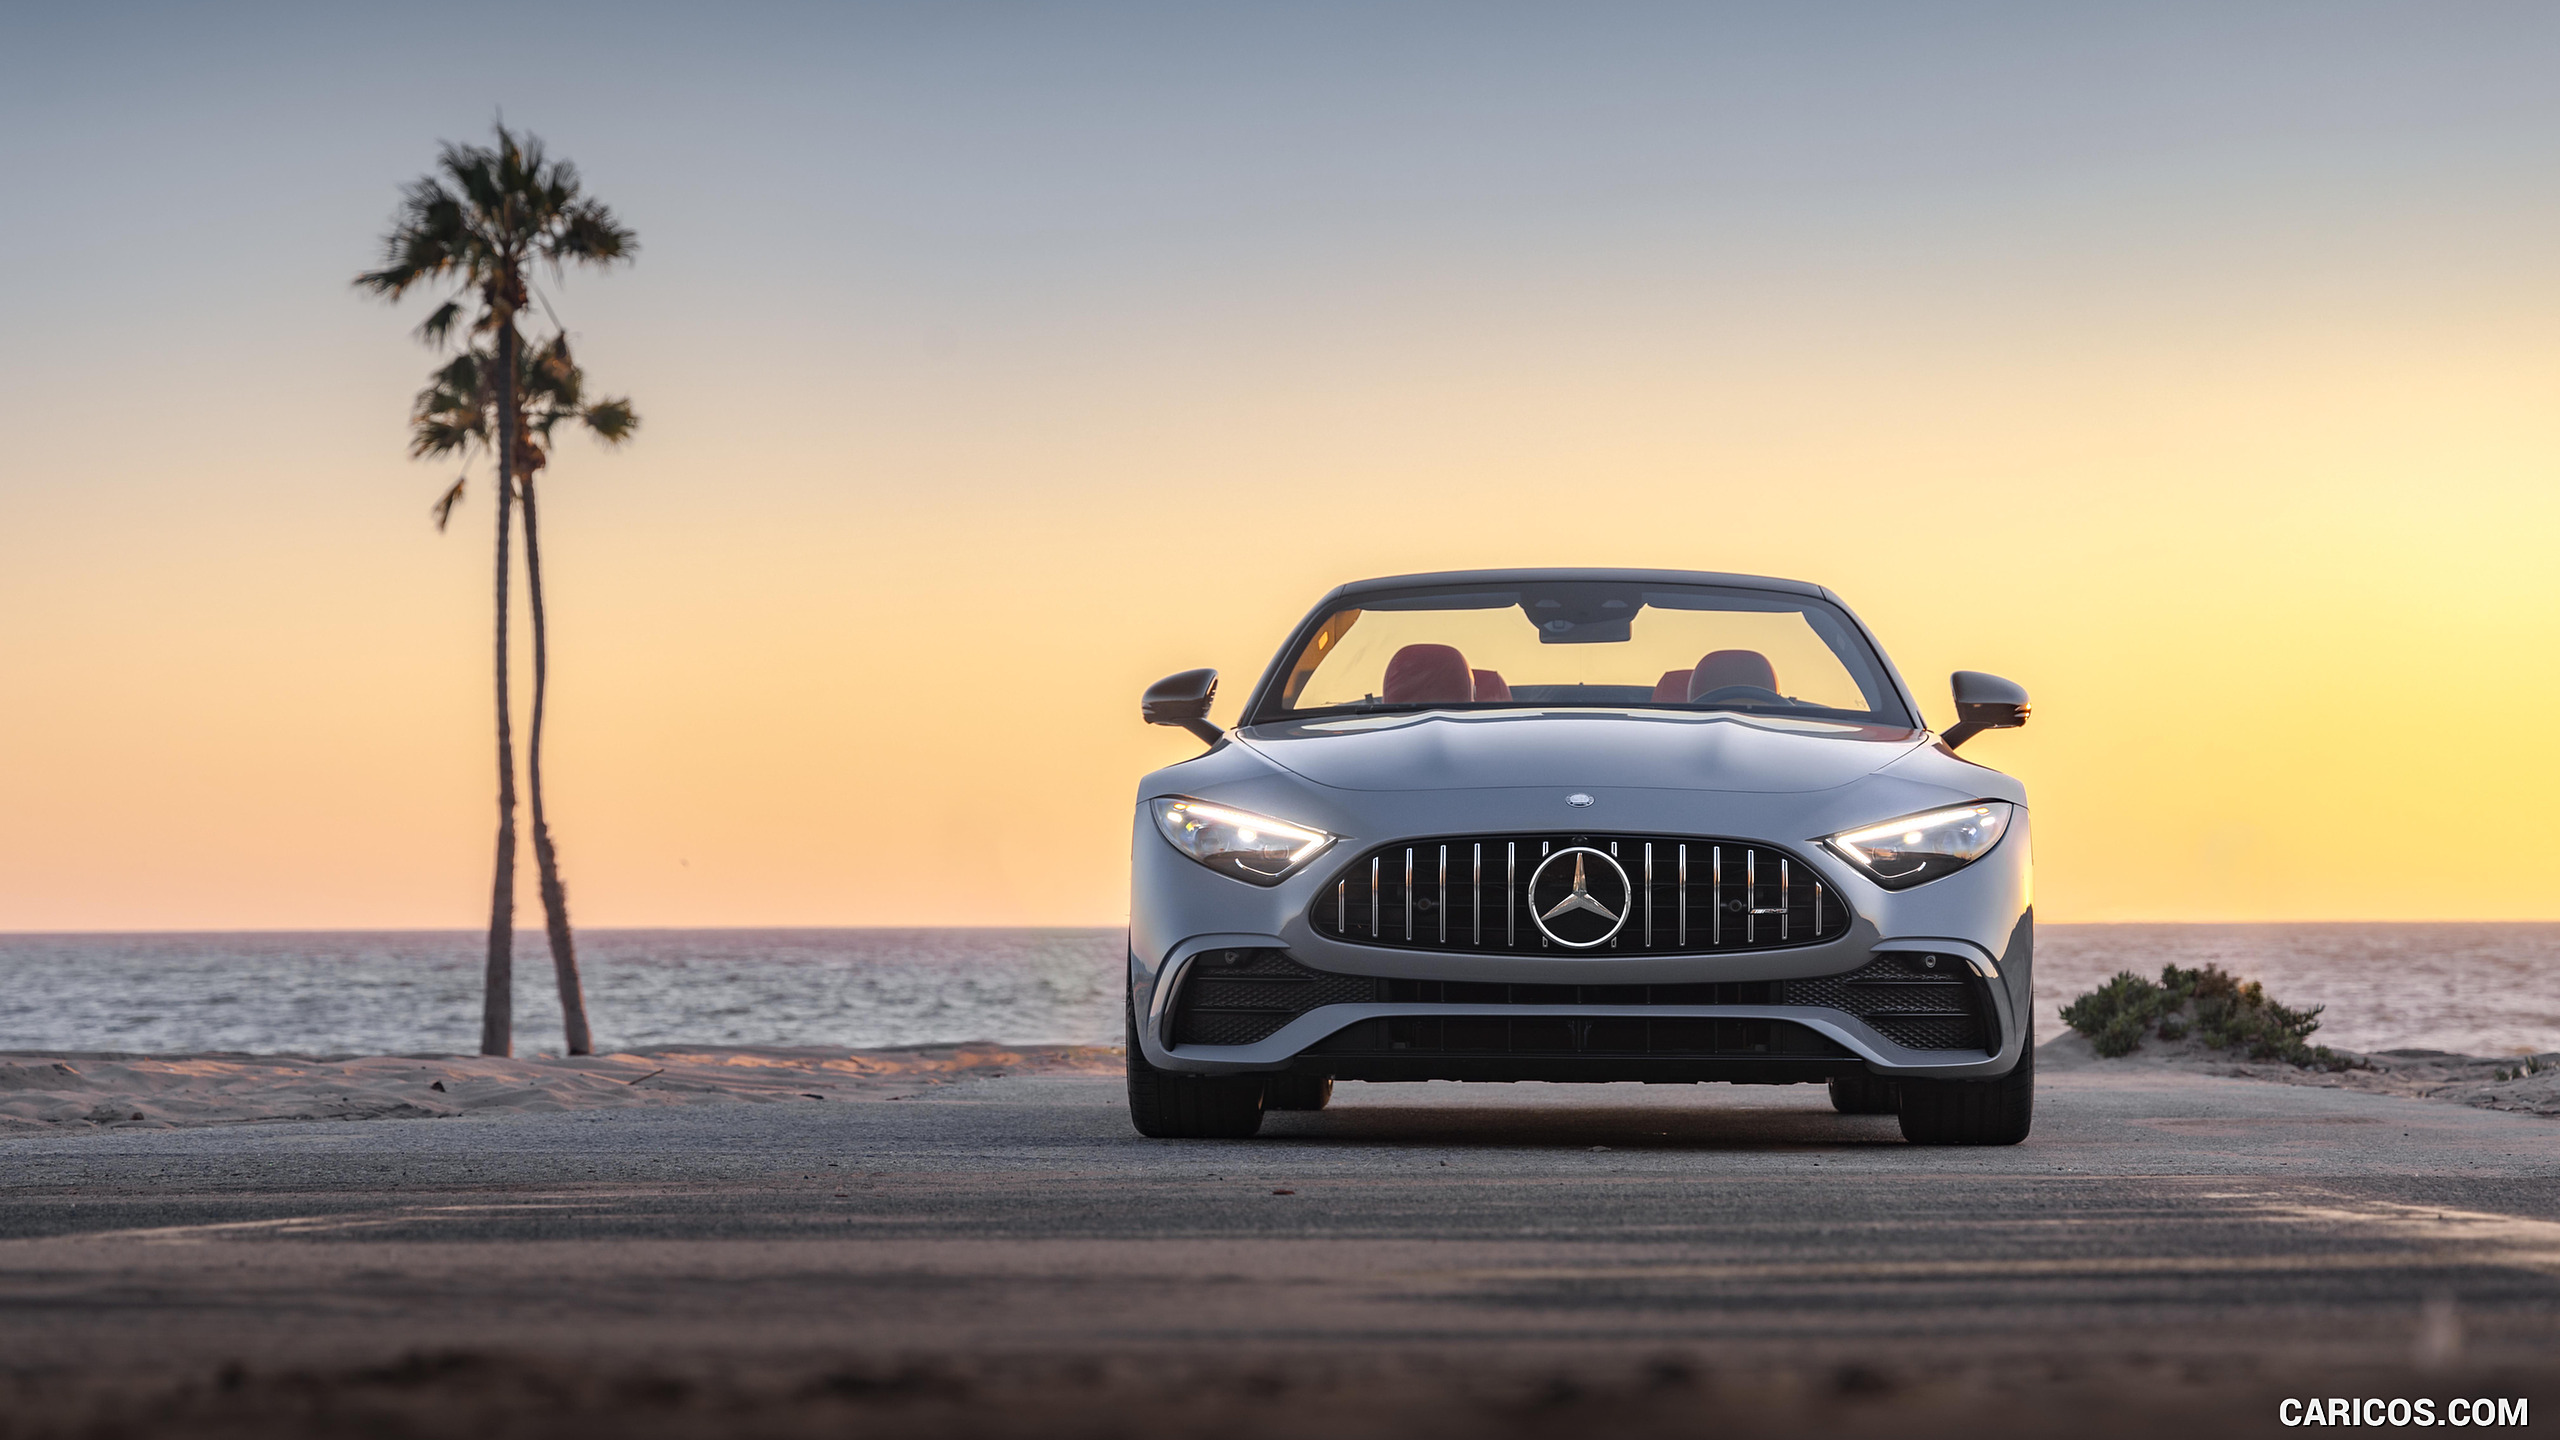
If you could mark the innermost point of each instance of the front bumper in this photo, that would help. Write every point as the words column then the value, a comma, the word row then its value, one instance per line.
column 1980, row 917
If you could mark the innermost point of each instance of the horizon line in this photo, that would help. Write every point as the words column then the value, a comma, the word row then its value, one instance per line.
column 536, row 932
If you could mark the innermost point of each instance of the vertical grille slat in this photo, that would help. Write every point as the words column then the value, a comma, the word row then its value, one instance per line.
column 1715, row 893
column 1444, row 894
column 1440, row 892
column 1648, row 894
column 1408, row 892
column 1511, row 894
column 1681, row 935
column 1475, row 904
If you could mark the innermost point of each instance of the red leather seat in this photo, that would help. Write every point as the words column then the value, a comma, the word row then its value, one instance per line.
column 1732, row 667
column 1672, row 688
column 1429, row 675
column 1491, row 686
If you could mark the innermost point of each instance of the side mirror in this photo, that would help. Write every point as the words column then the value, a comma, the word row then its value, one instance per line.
column 1985, row 702
column 1184, row 700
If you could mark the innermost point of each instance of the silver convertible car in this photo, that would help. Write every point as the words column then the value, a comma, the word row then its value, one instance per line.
column 1582, row 825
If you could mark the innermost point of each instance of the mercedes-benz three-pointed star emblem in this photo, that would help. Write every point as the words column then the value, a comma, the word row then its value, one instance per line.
column 1592, row 910
column 1580, row 899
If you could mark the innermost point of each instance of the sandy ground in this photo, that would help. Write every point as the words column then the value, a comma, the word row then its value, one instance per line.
column 52, row 1094
column 2491, row 1083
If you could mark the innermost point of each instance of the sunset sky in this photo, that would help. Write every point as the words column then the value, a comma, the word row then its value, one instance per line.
column 2197, row 366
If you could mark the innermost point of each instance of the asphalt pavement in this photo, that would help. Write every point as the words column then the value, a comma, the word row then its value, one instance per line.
column 2160, row 1230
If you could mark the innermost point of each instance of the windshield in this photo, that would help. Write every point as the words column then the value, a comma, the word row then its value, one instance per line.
column 1589, row 644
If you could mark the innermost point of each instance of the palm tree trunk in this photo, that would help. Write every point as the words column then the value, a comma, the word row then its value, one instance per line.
column 555, row 898
column 497, row 1004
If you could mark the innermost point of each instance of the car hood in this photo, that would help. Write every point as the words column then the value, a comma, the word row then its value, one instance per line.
column 1580, row 749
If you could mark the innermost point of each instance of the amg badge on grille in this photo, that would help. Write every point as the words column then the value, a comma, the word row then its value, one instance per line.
column 1578, row 897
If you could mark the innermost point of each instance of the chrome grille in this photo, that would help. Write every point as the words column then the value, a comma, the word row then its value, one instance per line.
column 1687, row 894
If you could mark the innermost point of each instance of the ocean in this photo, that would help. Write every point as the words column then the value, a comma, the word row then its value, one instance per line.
column 2483, row 989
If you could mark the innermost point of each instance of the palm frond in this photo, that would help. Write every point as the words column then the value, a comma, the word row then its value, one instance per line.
column 426, row 240
column 451, row 412
column 475, row 172
column 444, row 508
column 438, row 325
column 589, row 233
column 551, row 378
column 611, row 421
column 434, row 439
column 461, row 373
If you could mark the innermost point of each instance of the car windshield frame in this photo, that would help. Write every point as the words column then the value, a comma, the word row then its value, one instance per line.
column 1847, row 638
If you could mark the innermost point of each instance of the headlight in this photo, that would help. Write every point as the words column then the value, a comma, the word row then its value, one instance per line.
column 1238, row 843
column 1919, row 848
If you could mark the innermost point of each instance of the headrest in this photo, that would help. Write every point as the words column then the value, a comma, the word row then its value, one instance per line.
column 1672, row 688
column 1732, row 667
column 1491, row 686
column 1429, row 675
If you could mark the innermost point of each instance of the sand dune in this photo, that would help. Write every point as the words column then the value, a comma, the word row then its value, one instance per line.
column 2527, row 1085
column 54, row 1093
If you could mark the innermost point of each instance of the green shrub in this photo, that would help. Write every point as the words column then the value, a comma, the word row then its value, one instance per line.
column 2115, row 1015
column 2219, row 1009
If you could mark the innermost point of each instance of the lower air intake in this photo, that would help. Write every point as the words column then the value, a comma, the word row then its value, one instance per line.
column 1238, row 997
column 1920, row 1001
column 1467, row 1035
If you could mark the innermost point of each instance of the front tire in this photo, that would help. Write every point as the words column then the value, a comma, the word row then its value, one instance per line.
column 1972, row 1112
column 1165, row 1105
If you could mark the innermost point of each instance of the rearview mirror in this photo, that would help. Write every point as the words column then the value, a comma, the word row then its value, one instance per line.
column 1985, row 702
column 1184, row 700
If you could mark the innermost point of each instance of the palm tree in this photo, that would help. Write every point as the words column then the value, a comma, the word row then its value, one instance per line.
column 482, row 222
column 450, row 418
column 553, row 386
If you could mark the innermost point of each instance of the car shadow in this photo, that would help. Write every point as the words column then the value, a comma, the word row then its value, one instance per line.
column 1581, row 1126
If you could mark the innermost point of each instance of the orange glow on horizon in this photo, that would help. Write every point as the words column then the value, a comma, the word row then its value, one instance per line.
column 2276, row 676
